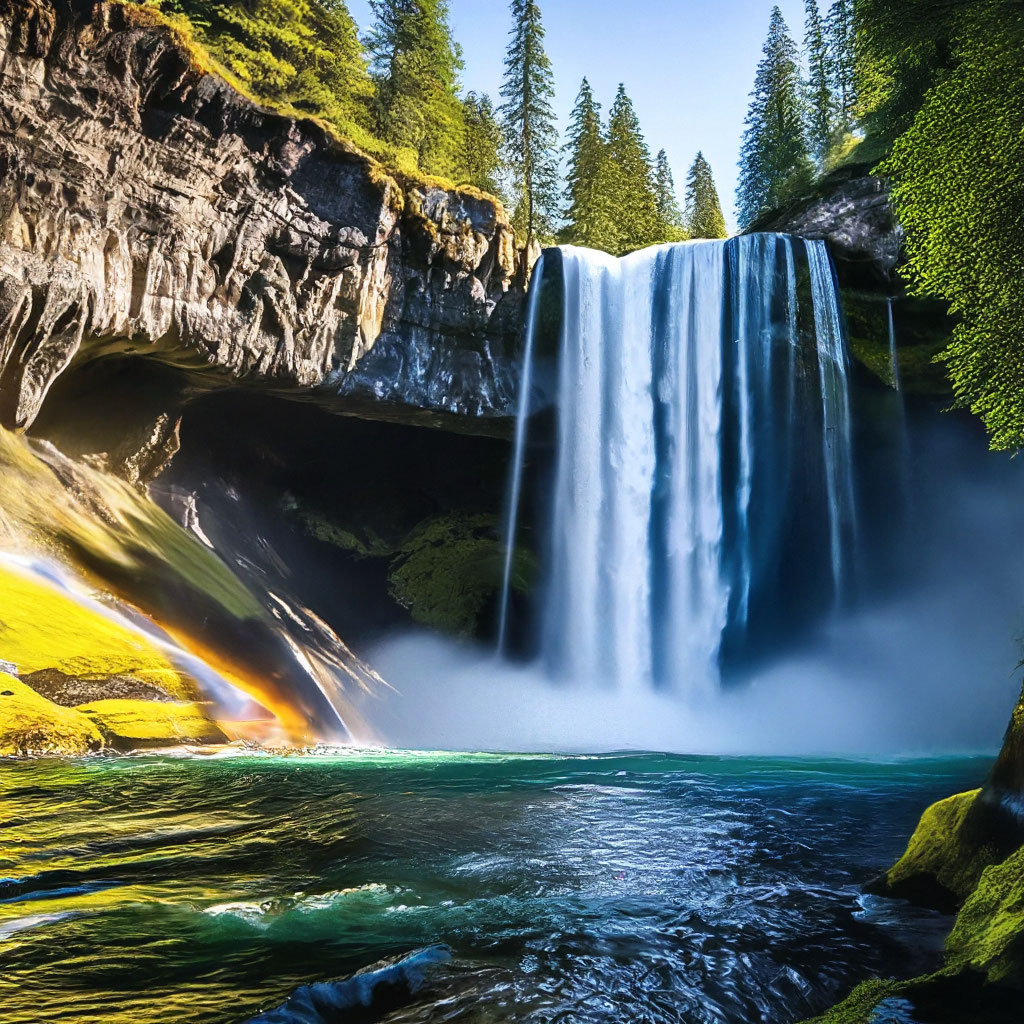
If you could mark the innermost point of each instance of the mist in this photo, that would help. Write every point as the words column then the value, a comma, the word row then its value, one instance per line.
column 925, row 665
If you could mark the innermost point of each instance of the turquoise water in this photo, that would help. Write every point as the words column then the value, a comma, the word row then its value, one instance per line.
column 584, row 889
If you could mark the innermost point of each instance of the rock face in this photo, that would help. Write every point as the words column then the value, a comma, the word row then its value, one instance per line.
column 148, row 209
column 849, row 209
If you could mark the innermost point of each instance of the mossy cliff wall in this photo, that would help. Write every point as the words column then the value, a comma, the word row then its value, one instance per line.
column 58, row 654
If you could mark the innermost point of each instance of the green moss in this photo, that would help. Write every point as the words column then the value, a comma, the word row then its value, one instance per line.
column 942, row 859
column 41, row 628
column 859, row 1006
column 989, row 932
column 450, row 567
column 30, row 724
column 367, row 544
column 922, row 334
column 135, row 724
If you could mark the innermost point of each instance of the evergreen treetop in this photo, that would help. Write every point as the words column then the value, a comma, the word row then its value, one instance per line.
column 703, row 210
column 669, row 216
column 529, row 123
column 416, row 66
column 590, row 213
column 480, row 163
column 841, row 32
column 774, row 162
column 636, row 203
column 821, row 113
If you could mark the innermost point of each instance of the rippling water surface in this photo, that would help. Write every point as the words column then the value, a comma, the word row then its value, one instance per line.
column 572, row 889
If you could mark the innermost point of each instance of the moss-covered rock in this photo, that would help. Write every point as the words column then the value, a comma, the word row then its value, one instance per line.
column 30, row 724
column 967, row 852
column 450, row 567
column 922, row 331
column 944, row 859
column 42, row 627
column 859, row 1006
column 949, row 996
column 138, row 724
column 989, row 932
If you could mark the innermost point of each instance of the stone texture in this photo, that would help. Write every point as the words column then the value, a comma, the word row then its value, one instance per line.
column 850, row 209
column 148, row 209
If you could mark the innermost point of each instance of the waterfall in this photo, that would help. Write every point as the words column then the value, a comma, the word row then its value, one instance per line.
column 519, row 450
column 894, row 356
column 703, row 494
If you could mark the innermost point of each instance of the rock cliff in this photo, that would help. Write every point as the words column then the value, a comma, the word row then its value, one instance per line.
column 850, row 209
column 149, row 210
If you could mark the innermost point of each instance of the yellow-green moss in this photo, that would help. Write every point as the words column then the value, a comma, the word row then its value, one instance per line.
column 41, row 627
column 30, row 724
column 989, row 931
column 939, row 852
column 134, row 724
column 859, row 1006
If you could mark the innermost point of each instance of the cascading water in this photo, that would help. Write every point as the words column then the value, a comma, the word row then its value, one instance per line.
column 703, row 485
column 894, row 355
column 522, row 419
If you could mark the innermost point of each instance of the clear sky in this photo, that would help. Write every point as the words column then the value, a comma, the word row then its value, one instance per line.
column 688, row 65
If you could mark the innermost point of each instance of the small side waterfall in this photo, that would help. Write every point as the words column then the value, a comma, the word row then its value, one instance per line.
column 703, row 497
column 894, row 355
column 519, row 451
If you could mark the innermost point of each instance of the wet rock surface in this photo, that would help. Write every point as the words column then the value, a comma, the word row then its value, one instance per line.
column 151, row 210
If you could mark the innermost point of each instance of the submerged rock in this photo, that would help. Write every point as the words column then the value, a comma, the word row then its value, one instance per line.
column 367, row 995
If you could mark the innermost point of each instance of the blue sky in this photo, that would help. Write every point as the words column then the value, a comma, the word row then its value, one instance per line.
column 688, row 65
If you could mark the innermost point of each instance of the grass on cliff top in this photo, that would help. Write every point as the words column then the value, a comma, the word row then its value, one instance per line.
column 385, row 161
column 42, row 627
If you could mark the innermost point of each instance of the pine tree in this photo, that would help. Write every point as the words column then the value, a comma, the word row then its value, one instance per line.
column 529, row 123
column 820, row 100
column 840, row 29
column 703, row 210
column 774, row 162
column 632, row 185
column 305, row 53
column 670, row 220
column 416, row 66
column 480, row 162
column 590, row 214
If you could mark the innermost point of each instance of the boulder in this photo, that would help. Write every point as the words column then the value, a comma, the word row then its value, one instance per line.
column 32, row 725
